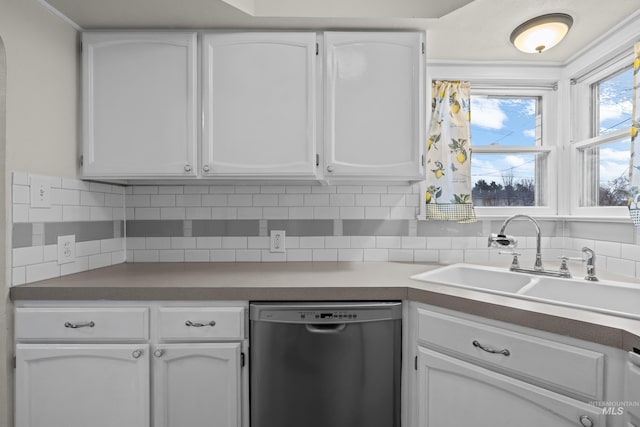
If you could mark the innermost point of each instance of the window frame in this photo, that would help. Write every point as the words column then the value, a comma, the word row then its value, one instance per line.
column 584, row 109
column 547, row 95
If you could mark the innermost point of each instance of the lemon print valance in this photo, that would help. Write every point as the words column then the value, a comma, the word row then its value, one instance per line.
column 448, row 181
column 634, row 167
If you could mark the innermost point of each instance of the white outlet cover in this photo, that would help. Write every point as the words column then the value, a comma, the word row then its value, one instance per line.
column 40, row 192
column 66, row 249
column 277, row 241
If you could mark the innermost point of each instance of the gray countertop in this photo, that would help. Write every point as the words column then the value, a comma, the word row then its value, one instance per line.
column 323, row 281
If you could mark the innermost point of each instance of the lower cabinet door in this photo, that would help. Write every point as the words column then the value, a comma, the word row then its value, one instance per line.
column 197, row 385
column 97, row 385
column 454, row 393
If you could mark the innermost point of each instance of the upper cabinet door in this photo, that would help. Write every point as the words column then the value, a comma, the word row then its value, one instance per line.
column 139, row 104
column 374, row 105
column 259, row 105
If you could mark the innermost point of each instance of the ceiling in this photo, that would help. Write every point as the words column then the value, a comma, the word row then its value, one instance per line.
column 475, row 30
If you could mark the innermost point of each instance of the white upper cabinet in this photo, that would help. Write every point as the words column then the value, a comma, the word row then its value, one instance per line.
column 374, row 105
column 139, row 104
column 259, row 102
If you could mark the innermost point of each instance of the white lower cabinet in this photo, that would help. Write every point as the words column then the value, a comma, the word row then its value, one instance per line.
column 80, row 385
column 632, row 391
column 197, row 385
column 455, row 393
column 131, row 366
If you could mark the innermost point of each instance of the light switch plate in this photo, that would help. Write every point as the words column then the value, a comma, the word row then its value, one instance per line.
column 40, row 192
column 277, row 240
column 66, row 249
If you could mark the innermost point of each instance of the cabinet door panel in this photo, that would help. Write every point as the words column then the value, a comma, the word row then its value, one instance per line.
column 139, row 107
column 374, row 104
column 197, row 385
column 454, row 393
column 259, row 104
column 97, row 385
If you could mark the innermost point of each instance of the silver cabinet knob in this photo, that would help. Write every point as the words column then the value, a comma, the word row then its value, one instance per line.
column 187, row 168
column 136, row 354
column 330, row 168
column 206, row 168
column 158, row 353
column 586, row 421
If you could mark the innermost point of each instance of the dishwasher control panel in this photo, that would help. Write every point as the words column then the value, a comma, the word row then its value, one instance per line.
column 325, row 312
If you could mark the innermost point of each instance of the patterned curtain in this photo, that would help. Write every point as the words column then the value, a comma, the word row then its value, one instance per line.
column 448, row 195
column 634, row 167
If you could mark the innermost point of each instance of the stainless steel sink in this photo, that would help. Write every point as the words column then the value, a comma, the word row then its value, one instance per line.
column 609, row 297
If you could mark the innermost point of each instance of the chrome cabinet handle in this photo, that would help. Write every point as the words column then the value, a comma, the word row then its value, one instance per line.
column 198, row 324
column 158, row 353
column 330, row 168
column 206, row 168
column 90, row 324
column 136, row 354
column 504, row 352
column 187, row 168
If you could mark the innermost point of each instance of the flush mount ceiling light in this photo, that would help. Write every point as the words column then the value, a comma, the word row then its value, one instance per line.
column 541, row 33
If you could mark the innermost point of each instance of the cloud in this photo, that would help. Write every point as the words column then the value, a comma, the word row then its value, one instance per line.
column 615, row 111
column 487, row 113
column 531, row 133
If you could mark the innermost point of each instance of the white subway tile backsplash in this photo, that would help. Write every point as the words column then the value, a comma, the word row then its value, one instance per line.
column 298, row 189
column 389, row 242
column 316, row 199
column 324, row 189
column 608, row 248
column 50, row 253
column 162, row 200
column 19, row 276
column 312, row 242
column 376, row 213
column 171, row 255
column 414, row 242
column 352, row 255
column 292, row 242
column 137, row 200
column 476, row 256
column 234, row 242
column 112, row 245
column 146, row 255
column 362, row 242
column 401, row 255
column 261, row 242
column 198, row 213
column 426, row 255
column 189, row 199
column 290, row 200
column 299, row 255
column 28, row 255
column 224, row 213
column 183, row 242
column 156, row 243
column 100, row 260
column 392, row 200
column 76, row 213
column 145, row 189
column 325, row 255
column 196, row 255
column 376, row 255
column 249, row 213
column 300, row 212
column 275, row 213
column 248, row 255
column 42, row 271
column 146, row 213
column 439, row 243
column 630, row 252
column 265, row 200
column 451, row 256
column 91, row 247
column 352, row 212
column 222, row 255
column 378, row 189
column 20, row 178
column 20, row 213
column 196, row 189
column 337, row 242
column 170, row 189
column 91, row 199
column 326, row 212
column 21, row 194
column 51, row 214
column 101, row 214
column 621, row 266
column 402, row 212
column 173, row 213
column 367, row 199
column 342, row 200
column 208, row 242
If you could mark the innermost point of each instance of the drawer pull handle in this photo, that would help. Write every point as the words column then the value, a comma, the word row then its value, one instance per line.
column 504, row 352
column 79, row 325
column 158, row 353
column 199, row 325
column 136, row 354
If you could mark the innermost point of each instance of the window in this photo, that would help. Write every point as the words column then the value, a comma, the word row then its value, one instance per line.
column 602, row 149
column 511, row 158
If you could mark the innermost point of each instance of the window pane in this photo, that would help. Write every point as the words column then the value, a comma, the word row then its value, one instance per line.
column 508, row 179
column 613, row 97
column 605, row 174
column 505, row 121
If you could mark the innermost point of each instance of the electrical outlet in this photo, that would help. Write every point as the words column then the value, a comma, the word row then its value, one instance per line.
column 66, row 249
column 40, row 192
column 277, row 241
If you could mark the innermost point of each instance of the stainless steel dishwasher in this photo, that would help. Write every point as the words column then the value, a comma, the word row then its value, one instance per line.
column 325, row 364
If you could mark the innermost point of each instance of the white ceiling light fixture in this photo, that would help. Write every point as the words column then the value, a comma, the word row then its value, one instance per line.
column 541, row 33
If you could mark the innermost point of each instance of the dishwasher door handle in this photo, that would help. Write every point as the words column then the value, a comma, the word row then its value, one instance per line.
column 326, row 328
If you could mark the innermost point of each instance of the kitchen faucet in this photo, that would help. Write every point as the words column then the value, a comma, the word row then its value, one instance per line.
column 591, row 264
column 503, row 240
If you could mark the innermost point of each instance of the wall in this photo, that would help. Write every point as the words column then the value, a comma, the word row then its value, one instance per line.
column 42, row 79
column 5, row 303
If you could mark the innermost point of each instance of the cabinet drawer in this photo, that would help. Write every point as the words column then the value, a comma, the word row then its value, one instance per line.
column 204, row 324
column 552, row 364
column 82, row 324
column 632, row 387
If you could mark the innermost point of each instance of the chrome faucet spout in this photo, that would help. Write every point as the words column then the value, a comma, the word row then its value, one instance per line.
column 538, row 263
column 591, row 264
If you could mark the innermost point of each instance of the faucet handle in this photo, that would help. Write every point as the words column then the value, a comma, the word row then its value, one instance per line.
column 514, row 263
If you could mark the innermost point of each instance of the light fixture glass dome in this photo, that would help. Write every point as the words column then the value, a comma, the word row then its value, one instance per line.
column 541, row 33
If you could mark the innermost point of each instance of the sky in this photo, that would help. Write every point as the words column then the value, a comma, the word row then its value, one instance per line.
column 506, row 121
